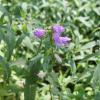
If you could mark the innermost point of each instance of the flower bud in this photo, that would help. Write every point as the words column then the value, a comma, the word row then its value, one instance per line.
column 39, row 32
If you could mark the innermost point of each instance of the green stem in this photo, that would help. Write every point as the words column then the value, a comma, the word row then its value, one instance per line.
column 51, row 41
column 39, row 48
column 29, row 91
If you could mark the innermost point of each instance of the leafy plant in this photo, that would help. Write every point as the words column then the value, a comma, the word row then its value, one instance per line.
column 49, row 49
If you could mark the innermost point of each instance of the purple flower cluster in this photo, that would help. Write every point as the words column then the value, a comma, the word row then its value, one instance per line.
column 57, row 30
column 58, row 39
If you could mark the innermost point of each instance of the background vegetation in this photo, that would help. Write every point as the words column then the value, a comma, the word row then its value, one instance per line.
column 30, row 71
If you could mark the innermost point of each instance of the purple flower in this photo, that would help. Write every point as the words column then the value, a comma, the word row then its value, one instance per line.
column 60, row 41
column 65, row 40
column 39, row 32
column 58, row 29
column 56, row 38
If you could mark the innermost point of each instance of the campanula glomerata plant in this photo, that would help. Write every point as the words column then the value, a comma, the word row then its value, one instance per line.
column 49, row 49
column 57, row 31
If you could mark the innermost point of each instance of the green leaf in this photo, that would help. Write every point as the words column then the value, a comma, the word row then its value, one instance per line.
column 55, row 90
column 2, row 9
column 1, row 32
column 88, row 45
column 52, row 78
column 36, row 58
column 77, row 2
column 3, row 92
column 96, row 77
column 27, row 42
column 31, row 79
column 33, row 68
column 29, row 91
column 46, row 63
column 97, row 96
column 91, row 55
column 1, row 35
column 19, row 40
column 10, row 41
column 85, row 21
column 6, row 69
column 97, row 10
column 80, row 95
column 18, row 62
column 73, row 66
